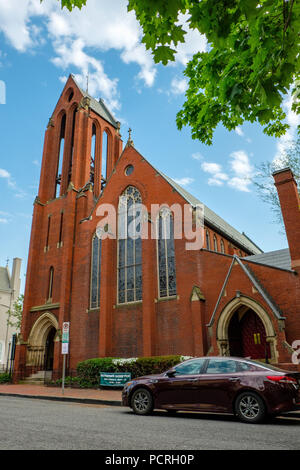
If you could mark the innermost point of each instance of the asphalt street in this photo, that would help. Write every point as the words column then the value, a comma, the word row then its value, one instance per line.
column 27, row 424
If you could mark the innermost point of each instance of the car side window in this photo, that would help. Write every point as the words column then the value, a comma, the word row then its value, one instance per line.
column 189, row 368
column 221, row 367
column 246, row 366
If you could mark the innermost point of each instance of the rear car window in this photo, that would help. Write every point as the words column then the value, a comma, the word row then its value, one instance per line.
column 221, row 366
column 246, row 366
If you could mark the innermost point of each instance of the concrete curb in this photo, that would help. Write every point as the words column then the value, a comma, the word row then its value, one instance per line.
column 94, row 401
column 87, row 401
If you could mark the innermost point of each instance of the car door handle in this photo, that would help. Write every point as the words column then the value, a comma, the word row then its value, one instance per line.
column 234, row 379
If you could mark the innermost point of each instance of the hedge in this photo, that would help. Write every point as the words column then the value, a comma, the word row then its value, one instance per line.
column 5, row 378
column 88, row 372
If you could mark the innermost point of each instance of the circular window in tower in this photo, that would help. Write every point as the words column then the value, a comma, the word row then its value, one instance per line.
column 129, row 170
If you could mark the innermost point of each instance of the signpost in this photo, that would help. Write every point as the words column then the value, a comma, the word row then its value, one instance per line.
column 65, row 350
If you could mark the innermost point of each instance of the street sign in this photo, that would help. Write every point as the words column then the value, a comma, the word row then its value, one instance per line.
column 65, row 338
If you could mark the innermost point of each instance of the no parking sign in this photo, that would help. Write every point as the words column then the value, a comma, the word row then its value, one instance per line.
column 65, row 338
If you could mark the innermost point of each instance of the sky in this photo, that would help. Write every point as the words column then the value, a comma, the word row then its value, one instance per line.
column 40, row 45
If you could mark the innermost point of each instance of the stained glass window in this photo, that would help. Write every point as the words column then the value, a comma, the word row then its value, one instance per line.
column 96, row 272
column 129, row 246
column 166, row 255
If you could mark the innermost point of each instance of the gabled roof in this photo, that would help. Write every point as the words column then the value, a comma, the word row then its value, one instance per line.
column 4, row 279
column 277, row 259
column 256, row 283
column 98, row 106
column 215, row 221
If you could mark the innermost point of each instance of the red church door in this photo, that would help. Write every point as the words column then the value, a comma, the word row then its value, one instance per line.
column 253, row 337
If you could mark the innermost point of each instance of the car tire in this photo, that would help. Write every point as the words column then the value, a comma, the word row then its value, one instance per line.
column 142, row 401
column 250, row 408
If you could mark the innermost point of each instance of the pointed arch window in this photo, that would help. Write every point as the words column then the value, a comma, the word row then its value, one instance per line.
column 166, row 254
column 93, row 154
column 95, row 272
column 50, row 285
column 129, row 246
column 222, row 246
column 60, row 156
column 105, row 145
column 72, row 146
column 207, row 240
column 215, row 243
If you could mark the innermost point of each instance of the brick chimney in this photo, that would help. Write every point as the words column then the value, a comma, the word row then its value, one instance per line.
column 290, row 208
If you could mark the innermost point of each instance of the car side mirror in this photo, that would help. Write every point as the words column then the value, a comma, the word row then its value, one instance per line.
column 171, row 372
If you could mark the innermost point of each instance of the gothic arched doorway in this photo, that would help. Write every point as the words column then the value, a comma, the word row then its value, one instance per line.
column 247, row 335
column 49, row 349
column 246, row 329
column 40, row 346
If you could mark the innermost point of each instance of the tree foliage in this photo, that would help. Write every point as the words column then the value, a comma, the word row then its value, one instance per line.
column 264, row 182
column 14, row 318
column 252, row 61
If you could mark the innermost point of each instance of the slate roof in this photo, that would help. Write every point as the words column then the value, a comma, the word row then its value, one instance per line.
column 98, row 107
column 214, row 220
column 278, row 259
column 4, row 279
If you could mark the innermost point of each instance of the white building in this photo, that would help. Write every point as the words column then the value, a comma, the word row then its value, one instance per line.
column 9, row 293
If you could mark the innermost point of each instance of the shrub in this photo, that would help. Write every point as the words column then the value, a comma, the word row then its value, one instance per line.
column 89, row 371
column 5, row 378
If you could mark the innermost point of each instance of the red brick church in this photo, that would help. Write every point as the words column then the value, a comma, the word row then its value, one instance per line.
column 130, row 296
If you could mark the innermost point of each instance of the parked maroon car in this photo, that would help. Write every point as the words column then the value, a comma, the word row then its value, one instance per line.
column 246, row 388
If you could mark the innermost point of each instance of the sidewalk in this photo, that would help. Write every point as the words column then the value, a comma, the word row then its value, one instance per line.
column 88, row 396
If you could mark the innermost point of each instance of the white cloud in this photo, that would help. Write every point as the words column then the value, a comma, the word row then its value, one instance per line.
column 7, row 176
column 239, row 176
column 4, row 174
column 211, row 167
column 215, row 182
column 185, row 181
column 179, row 86
column 193, row 42
column 197, row 156
column 239, row 131
column 215, row 169
column 99, row 27
column 72, row 53
column 77, row 37
column 18, row 192
column 242, row 169
column 286, row 140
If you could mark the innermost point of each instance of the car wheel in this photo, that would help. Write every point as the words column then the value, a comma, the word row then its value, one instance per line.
column 250, row 408
column 142, row 402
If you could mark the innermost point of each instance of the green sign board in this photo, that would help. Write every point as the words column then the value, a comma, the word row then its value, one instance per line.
column 114, row 379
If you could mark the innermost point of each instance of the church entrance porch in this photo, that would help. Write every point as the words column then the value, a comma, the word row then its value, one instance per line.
column 40, row 347
column 245, row 329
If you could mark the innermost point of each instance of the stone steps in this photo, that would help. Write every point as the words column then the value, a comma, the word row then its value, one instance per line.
column 38, row 378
